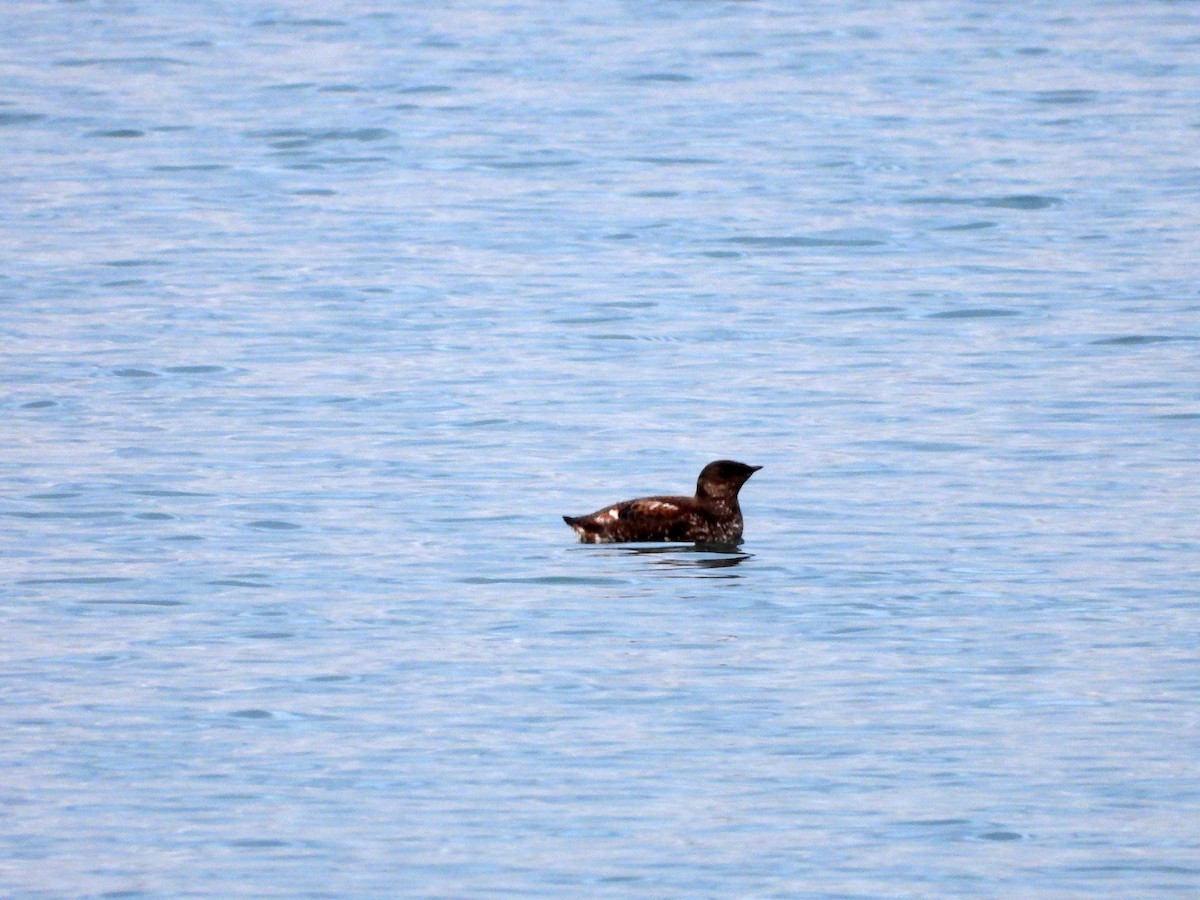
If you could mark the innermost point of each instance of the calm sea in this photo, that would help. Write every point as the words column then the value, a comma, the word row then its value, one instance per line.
column 315, row 318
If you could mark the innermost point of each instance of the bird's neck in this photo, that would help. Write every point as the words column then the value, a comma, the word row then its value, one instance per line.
column 721, row 503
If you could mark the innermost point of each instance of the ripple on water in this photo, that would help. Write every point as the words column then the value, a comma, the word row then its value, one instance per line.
column 1141, row 340
column 132, row 372
column 1011, row 201
column 786, row 241
column 983, row 312
column 550, row 580
column 1065, row 97
column 138, row 64
column 194, row 370
column 273, row 525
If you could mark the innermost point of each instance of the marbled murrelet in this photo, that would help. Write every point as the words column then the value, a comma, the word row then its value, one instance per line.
column 711, row 517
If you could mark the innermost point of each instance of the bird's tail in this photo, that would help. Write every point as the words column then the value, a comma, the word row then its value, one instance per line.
column 578, row 525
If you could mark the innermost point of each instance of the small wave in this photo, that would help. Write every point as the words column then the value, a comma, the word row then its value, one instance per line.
column 1138, row 340
column 986, row 312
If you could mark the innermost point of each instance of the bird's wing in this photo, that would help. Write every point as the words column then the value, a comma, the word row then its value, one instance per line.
column 647, row 509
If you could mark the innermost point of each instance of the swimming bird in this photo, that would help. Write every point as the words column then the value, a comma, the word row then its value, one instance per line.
column 712, row 516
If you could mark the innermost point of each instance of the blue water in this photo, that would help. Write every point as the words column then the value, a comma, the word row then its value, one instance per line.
column 316, row 317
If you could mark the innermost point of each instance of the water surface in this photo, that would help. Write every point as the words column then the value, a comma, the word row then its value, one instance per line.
column 316, row 318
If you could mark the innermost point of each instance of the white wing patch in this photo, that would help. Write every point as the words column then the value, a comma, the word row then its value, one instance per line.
column 614, row 513
column 658, row 504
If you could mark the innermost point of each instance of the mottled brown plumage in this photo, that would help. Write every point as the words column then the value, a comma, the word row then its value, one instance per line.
column 712, row 516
